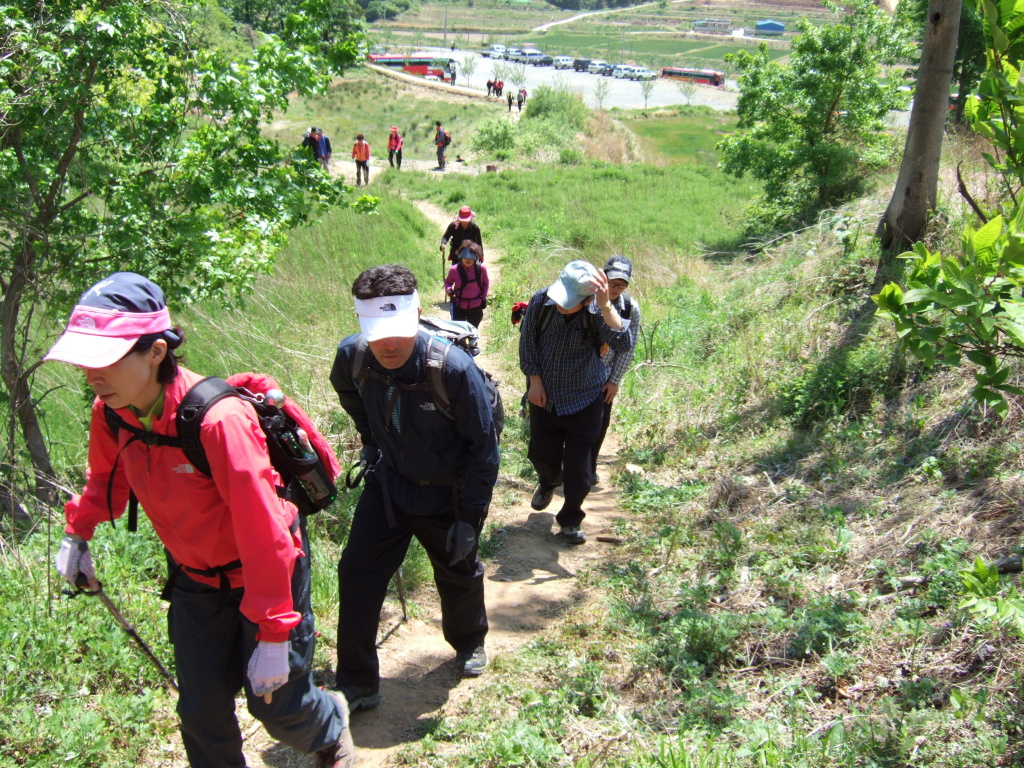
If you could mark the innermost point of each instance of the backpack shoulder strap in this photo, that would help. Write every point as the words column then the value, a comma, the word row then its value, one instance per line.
column 191, row 412
column 359, row 364
column 544, row 318
column 436, row 364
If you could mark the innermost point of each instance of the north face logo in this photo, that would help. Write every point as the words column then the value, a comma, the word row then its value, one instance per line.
column 388, row 308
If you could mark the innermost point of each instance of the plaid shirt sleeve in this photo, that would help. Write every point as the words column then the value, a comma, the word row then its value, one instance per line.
column 621, row 361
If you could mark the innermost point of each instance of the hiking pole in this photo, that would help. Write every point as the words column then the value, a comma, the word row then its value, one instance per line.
column 82, row 582
column 400, row 586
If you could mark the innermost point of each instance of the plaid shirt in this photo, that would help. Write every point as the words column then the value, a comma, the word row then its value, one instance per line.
column 564, row 357
column 618, row 364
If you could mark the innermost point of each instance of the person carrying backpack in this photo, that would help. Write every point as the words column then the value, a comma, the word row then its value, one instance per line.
column 238, row 554
column 619, row 271
column 562, row 337
column 441, row 140
column 430, row 474
column 467, row 285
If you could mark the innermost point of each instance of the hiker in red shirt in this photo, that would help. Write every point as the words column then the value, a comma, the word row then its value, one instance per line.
column 361, row 154
column 237, row 552
column 395, row 148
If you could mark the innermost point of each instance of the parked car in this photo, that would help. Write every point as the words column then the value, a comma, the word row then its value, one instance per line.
column 496, row 51
column 563, row 62
column 596, row 66
column 643, row 73
column 581, row 65
column 511, row 54
column 622, row 70
column 537, row 58
column 606, row 69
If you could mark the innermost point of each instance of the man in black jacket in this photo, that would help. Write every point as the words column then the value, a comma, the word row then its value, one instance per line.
column 429, row 475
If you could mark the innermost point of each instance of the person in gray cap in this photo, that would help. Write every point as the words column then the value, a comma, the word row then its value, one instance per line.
column 619, row 271
column 565, row 331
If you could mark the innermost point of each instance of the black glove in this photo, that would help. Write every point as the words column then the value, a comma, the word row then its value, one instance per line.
column 369, row 454
column 461, row 541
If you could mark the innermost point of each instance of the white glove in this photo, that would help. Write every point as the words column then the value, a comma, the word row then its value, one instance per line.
column 268, row 667
column 74, row 559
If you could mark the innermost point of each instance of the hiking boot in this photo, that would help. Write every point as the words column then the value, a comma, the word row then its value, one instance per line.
column 341, row 754
column 359, row 698
column 542, row 496
column 572, row 534
column 472, row 663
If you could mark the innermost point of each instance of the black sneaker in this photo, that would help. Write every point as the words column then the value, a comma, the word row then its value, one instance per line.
column 542, row 496
column 359, row 699
column 341, row 754
column 472, row 663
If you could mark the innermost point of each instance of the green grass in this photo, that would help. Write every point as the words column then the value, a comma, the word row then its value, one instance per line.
column 690, row 136
column 368, row 103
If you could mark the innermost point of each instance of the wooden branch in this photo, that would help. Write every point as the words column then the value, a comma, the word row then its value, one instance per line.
column 962, row 186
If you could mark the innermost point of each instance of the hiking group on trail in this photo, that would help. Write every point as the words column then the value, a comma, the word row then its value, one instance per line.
column 206, row 465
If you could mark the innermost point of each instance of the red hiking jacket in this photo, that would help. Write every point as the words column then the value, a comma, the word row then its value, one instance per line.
column 205, row 522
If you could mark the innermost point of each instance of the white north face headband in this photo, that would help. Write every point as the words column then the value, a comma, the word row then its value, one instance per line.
column 387, row 316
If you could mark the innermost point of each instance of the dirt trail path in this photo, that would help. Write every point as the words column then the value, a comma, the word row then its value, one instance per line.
column 530, row 583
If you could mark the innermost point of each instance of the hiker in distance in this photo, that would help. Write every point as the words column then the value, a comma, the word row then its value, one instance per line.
column 238, row 555
column 463, row 228
column 562, row 337
column 619, row 271
column 441, row 140
column 467, row 285
column 429, row 475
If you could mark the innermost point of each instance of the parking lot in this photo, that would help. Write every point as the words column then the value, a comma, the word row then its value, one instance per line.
column 621, row 93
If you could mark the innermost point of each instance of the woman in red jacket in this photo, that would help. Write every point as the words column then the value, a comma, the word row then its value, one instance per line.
column 238, row 554
column 395, row 148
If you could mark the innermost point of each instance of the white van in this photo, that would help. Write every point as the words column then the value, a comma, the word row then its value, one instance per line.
column 623, row 70
column 563, row 62
column 497, row 51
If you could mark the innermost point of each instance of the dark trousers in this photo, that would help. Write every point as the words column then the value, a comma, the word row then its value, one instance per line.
column 393, row 156
column 372, row 555
column 474, row 315
column 213, row 642
column 440, row 155
column 561, row 450
column 363, row 169
column 606, row 420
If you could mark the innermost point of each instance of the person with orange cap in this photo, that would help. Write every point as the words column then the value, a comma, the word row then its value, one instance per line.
column 462, row 228
column 395, row 148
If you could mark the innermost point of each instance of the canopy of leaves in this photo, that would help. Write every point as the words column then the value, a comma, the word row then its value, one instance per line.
column 808, row 128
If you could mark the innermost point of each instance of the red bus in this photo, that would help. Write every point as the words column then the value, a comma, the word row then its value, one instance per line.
column 705, row 76
column 422, row 64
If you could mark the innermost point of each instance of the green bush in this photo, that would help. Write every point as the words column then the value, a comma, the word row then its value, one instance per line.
column 497, row 136
column 825, row 624
column 560, row 105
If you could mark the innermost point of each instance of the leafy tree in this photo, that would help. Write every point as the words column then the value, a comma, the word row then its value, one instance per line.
column 687, row 89
column 123, row 146
column 601, row 88
column 970, row 304
column 517, row 74
column 646, row 88
column 807, row 129
column 467, row 68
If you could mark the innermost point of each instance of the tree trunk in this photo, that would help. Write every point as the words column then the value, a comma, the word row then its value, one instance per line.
column 15, row 375
column 916, row 188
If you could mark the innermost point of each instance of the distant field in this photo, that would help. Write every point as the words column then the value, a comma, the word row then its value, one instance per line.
column 653, row 51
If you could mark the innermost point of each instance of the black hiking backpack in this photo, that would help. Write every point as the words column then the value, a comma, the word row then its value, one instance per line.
column 444, row 335
column 297, row 455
